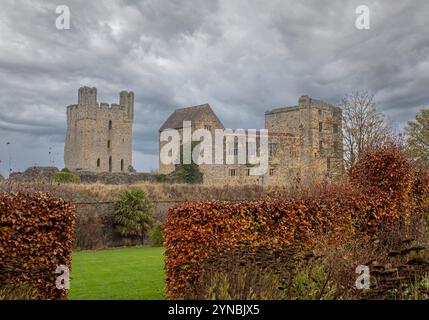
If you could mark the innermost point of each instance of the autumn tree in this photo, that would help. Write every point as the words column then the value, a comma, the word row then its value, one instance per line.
column 363, row 125
column 418, row 136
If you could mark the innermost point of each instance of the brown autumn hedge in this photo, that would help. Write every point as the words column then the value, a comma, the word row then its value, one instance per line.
column 36, row 236
column 379, row 202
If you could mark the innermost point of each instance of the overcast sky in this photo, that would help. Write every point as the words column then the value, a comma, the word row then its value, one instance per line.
column 242, row 57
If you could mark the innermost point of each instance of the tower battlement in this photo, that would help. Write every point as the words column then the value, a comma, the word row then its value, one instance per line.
column 99, row 135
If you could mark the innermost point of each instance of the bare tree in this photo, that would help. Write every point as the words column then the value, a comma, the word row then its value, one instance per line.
column 363, row 125
column 418, row 136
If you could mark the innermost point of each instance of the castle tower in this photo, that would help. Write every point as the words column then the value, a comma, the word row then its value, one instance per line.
column 99, row 135
column 305, row 140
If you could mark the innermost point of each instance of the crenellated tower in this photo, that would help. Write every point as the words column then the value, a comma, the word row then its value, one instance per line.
column 99, row 135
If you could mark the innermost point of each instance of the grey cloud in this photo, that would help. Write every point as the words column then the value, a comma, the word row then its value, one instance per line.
column 242, row 57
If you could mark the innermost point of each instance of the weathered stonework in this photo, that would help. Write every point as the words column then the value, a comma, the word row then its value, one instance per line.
column 304, row 143
column 99, row 135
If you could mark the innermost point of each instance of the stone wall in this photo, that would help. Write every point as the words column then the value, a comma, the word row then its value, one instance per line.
column 34, row 174
column 46, row 174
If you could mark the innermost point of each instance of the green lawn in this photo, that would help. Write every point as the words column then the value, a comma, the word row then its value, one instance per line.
column 114, row 274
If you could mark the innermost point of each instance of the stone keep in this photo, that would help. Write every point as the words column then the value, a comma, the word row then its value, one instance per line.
column 99, row 135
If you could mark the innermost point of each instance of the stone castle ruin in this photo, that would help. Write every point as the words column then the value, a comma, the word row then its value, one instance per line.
column 99, row 135
column 304, row 142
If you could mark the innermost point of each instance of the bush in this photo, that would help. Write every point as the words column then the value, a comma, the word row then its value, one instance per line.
column 157, row 235
column 378, row 206
column 66, row 177
column 132, row 216
column 89, row 232
column 188, row 173
column 36, row 236
column 160, row 178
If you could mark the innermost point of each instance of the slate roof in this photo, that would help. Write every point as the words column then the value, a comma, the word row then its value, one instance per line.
column 175, row 121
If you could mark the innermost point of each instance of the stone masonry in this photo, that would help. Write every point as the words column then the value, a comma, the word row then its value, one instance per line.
column 304, row 143
column 99, row 135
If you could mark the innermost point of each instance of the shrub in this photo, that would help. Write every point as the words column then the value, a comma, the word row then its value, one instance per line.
column 188, row 173
column 36, row 236
column 131, row 216
column 160, row 178
column 380, row 205
column 18, row 292
column 193, row 231
column 66, row 177
column 156, row 234
column 89, row 233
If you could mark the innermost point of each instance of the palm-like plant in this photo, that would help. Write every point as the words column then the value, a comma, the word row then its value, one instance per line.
column 131, row 216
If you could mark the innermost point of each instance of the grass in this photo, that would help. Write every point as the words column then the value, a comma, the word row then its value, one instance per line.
column 118, row 274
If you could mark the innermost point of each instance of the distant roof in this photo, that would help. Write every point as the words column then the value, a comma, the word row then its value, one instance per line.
column 175, row 121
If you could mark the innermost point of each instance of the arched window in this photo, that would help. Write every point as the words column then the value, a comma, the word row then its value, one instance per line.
column 108, row 144
column 122, row 165
column 98, row 163
column 110, row 124
column 110, row 164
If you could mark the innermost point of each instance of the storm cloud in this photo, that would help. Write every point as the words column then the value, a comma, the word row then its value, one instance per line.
column 242, row 56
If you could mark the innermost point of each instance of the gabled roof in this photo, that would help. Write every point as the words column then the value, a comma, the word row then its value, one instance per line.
column 195, row 113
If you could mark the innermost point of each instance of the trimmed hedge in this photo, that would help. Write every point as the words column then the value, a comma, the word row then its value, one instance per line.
column 384, row 198
column 36, row 236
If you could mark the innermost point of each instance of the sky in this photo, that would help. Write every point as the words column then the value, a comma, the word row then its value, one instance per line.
column 243, row 57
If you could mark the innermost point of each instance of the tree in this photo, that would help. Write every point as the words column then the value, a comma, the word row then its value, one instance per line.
column 363, row 126
column 157, row 234
column 131, row 216
column 418, row 136
column 188, row 173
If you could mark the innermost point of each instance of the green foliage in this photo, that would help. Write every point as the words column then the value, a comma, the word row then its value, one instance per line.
column 245, row 284
column 157, row 234
column 131, row 216
column 18, row 292
column 418, row 136
column 66, row 177
column 312, row 283
column 188, row 173
column 65, row 170
column 161, row 178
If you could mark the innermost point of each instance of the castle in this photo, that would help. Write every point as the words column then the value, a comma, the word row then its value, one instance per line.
column 99, row 135
column 304, row 142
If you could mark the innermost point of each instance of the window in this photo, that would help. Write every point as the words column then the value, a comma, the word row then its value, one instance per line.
column 272, row 171
column 248, row 172
column 110, row 164
column 207, row 127
column 251, row 149
column 335, row 128
column 108, row 144
column 232, row 172
column 122, row 164
column 272, row 149
column 98, row 163
column 320, row 112
column 328, row 164
column 320, row 147
column 233, row 149
column 110, row 124
column 320, row 126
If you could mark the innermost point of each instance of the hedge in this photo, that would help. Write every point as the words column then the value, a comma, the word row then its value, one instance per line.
column 381, row 200
column 36, row 236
